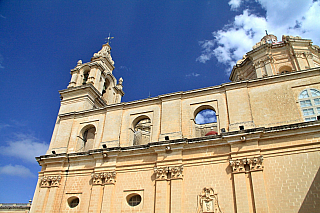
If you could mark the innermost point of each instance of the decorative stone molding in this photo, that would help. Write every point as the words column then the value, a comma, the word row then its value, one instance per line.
column 208, row 201
column 308, row 55
column 238, row 165
column 255, row 163
column 299, row 54
column 110, row 177
column 50, row 181
column 167, row 173
column 104, row 178
column 161, row 173
column 176, row 172
column 105, row 52
column 97, row 178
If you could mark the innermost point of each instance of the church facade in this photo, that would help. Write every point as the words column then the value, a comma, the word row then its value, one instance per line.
column 259, row 153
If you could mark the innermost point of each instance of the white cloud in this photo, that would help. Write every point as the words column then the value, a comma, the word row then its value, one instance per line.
column 192, row 75
column 16, row 170
column 234, row 4
column 4, row 126
column 206, row 116
column 25, row 147
column 283, row 17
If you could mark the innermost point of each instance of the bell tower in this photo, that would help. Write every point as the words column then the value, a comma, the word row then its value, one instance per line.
column 92, row 84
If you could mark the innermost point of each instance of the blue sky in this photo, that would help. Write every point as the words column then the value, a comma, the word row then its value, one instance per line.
column 159, row 47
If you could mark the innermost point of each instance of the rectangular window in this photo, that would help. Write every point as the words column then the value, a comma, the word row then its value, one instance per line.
column 305, row 103
column 307, row 112
column 318, row 109
column 316, row 101
column 311, row 119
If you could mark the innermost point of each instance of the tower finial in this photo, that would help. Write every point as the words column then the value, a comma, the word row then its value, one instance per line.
column 109, row 38
column 266, row 33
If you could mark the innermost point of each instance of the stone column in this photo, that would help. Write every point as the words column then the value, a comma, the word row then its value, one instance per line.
column 73, row 81
column 107, row 198
column 309, row 58
column 176, row 189
column 259, row 190
column 91, row 77
column 97, row 193
column 162, row 192
column 259, row 69
column 242, row 201
column 54, row 183
column 301, row 64
column 46, row 195
column 268, row 67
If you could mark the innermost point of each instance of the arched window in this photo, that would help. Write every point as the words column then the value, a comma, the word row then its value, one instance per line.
column 285, row 70
column 309, row 100
column 142, row 130
column 88, row 136
column 206, row 116
column 205, row 121
column 105, row 89
column 85, row 76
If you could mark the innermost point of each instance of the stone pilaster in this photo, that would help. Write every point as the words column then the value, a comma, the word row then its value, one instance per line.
column 260, row 195
column 168, row 189
column 176, row 189
column 99, row 180
column 243, row 199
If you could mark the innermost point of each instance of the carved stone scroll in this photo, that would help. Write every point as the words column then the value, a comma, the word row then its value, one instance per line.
column 238, row 165
column 208, row 201
column 256, row 163
column 104, row 178
column 176, row 172
column 166, row 173
column 110, row 177
column 50, row 181
column 161, row 173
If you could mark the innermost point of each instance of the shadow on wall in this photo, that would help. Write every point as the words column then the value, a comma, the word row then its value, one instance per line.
column 311, row 202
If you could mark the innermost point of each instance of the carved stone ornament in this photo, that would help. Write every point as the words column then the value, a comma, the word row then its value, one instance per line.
column 176, row 172
column 104, row 178
column 166, row 173
column 105, row 52
column 256, row 163
column 238, row 165
column 299, row 54
column 161, row 172
column 208, row 201
column 50, row 181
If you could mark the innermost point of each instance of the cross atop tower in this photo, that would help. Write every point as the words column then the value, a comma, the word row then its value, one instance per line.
column 109, row 38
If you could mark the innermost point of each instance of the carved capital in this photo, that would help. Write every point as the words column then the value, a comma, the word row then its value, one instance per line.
column 176, row 172
column 238, row 165
column 110, row 177
column 97, row 179
column 50, row 181
column 298, row 54
column 161, row 173
column 256, row 163
column 104, row 178
column 308, row 55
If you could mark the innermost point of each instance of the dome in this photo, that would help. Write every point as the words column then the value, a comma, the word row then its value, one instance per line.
column 211, row 133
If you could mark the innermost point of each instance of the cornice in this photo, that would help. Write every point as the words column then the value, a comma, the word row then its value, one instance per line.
column 241, row 136
column 183, row 95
